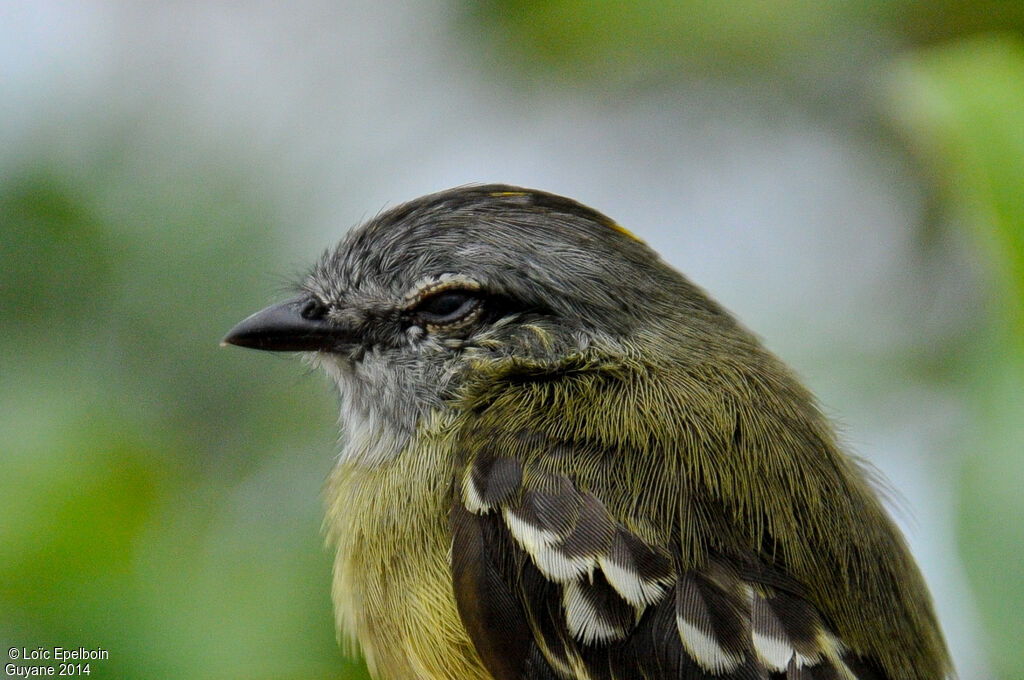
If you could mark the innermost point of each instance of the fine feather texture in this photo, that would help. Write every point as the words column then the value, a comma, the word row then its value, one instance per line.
column 563, row 461
column 771, row 593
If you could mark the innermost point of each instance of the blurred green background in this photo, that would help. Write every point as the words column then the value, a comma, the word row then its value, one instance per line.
column 847, row 176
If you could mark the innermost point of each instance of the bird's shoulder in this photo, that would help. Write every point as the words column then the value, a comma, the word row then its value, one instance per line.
column 573, row 555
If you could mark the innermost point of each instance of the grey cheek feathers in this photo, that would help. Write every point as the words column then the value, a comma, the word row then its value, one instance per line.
column 369, row 436
column 382, row 401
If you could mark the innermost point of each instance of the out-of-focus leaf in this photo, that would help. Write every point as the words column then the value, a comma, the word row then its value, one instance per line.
column 990, row 531
column 941, row 20
column 128, row 435
column 53, row 243
column 76, row 497
column 962, row 109
column 596, row 39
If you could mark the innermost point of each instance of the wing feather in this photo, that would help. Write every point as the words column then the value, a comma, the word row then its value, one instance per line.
column 491, row 612
column 551, row 583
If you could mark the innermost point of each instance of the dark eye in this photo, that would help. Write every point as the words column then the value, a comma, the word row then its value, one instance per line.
column 447, row 306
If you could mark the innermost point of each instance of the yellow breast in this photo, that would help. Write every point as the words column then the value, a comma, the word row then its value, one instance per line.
column 392, row 582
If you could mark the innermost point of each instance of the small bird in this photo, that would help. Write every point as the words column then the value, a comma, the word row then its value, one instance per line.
column 562, row 460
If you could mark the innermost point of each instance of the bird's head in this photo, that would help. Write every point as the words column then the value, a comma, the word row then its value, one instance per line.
column 409, row 303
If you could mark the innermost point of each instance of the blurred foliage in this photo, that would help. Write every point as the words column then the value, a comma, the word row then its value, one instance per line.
column 595, row 40
column 151, row 505
column 160, row 496
column 962, row 106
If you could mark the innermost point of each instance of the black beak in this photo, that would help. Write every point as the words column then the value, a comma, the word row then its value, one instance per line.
column 291, row 326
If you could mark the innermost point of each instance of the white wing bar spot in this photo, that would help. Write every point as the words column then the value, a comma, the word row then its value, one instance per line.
column 705, row 650
column 636, row 590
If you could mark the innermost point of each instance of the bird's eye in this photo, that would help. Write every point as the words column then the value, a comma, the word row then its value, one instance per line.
column 447, row 306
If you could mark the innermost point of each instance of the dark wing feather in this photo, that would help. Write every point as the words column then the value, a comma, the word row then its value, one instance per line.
column 550, row 584
column 490, row 610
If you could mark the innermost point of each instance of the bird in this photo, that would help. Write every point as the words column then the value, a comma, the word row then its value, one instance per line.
column 560, row 459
